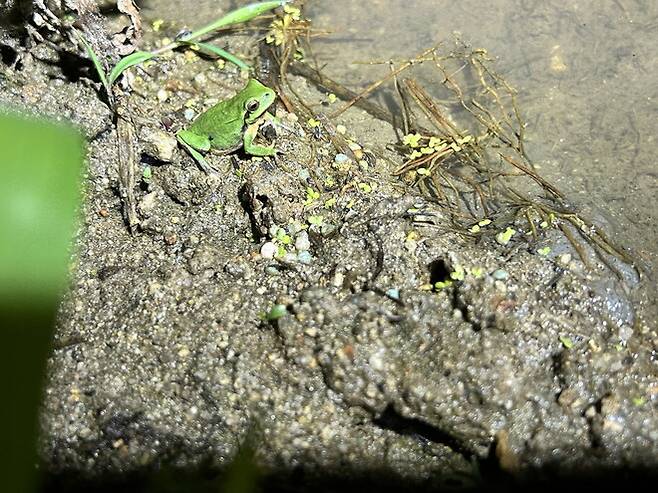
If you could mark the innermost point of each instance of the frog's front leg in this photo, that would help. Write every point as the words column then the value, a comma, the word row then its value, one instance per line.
column 193, row 143
column 255, row 149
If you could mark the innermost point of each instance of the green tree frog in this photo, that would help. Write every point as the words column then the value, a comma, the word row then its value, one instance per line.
column 230, row 124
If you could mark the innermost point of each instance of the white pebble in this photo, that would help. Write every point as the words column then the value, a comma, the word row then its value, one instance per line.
column 302, row 242
column 268, row 250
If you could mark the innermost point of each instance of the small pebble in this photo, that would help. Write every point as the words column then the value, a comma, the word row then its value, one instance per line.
column 341, row 158
column 302, row 242
column 393, row 293
column 500, row 275
column 304, row 257
column 304, row 174
column 290, row 258
column 158, row 143
column 189, row 114
column 163, row 95
column 268, row 250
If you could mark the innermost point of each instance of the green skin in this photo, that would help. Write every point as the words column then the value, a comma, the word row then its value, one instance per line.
column 230, row 124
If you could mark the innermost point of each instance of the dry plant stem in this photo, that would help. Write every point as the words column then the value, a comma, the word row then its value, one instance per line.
column 404, row 104
column 538, row 179
column 517, row 128
column 325, row 83
column 378, row 83
column 432, row 111
column 127, row 151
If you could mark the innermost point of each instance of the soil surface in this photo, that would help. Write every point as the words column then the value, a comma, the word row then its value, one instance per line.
column 289, row 304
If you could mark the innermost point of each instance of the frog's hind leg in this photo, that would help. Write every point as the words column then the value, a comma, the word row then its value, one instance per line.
column 197, row 156
column 255, row 149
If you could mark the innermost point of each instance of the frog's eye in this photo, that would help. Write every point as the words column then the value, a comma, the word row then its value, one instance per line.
column 252, row 105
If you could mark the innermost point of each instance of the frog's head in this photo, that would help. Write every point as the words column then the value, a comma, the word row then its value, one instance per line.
column 257, row 99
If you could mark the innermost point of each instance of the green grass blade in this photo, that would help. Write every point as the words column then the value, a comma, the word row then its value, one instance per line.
column 96, row 61
column 214, row 50
column 127, row 62
column 243, row 14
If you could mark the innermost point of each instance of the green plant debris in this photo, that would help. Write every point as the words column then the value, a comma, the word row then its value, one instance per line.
column 365, row 187
column 639, row 401
column 237, row 16
column 412, row 140
column 315, row 220
column 311, row 196
column 283, row 237
column 279, row 28
column 276, row 312
column 439, row 285
column 566, row 342
column 544, row 251
column 147, row 174
column 313, row 123
column 329, row 203
column 504, row 237
column 458, row 274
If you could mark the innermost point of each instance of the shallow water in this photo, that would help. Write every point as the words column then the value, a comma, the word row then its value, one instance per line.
column 586, row 72
column 587, row 76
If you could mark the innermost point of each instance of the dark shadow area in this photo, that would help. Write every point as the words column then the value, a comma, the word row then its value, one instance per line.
column 170, row 480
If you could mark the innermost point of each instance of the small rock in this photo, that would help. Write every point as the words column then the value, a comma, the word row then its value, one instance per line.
column 500, row 274
column 148, row 203
column 158, row 143
column 268, row 250
column 302, row 242
column 163, row 95
column 290, row 258
column 189, row 114
column 393, row 293
column 304, row 174
column 341, row 158
column 564, row 259
column 304, row 257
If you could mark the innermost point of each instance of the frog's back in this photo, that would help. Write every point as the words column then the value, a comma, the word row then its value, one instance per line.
column 223, row 124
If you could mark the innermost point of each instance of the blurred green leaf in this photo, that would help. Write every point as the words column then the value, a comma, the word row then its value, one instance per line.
column 39, row 196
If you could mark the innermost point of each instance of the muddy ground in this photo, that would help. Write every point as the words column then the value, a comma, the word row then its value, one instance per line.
column 334, row 358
